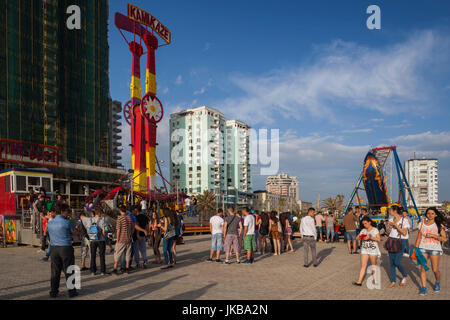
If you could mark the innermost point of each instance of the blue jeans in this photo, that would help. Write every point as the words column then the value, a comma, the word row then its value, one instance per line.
column 194, row 210
column 405, row 246
column 217, row 242
column 188, row 211
column 139, row 248
column 48, row 251
column 395, row 260
column 350, row 235
column 167, row 249
column 330, row 233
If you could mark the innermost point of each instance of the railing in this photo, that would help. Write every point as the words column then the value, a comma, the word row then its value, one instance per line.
column 27, row 219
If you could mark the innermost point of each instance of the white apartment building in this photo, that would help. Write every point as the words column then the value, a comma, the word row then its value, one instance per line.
column 422, row 175
column 213, row 154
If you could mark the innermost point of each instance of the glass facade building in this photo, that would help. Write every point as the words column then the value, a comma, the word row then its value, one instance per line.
column 54, row 84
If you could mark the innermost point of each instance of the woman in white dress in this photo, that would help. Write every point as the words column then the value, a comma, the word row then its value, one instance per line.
column 369, row 236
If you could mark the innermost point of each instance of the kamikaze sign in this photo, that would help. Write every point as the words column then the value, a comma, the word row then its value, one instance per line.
column 145, row 18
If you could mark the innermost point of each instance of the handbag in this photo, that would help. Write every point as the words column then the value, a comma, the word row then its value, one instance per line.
column 394, row 245
column 170, row 233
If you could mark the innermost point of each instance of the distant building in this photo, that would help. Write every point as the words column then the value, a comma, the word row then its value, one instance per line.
column 115, row 110
column 284, row 185
column 304, row 205
column 422, row 175
column 266, row 201
column 228, row 171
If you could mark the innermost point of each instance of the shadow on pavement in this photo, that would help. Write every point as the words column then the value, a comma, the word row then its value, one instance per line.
column 193, row 294
column 323, row 254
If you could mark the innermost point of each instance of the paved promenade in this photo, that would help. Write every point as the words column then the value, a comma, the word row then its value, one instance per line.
column 24, row 276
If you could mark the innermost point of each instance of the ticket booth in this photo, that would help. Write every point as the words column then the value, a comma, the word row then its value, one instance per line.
column 17, row 222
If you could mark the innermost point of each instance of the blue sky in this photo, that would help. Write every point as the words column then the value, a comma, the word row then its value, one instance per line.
column 314, row 71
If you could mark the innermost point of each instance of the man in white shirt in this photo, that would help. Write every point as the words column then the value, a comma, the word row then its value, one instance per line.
column 216, row 228
column 187, row 202
column 249, row 235
column 144, row 206
column 309, row 236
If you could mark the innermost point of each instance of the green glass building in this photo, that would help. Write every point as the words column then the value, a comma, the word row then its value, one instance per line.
column 54, row 83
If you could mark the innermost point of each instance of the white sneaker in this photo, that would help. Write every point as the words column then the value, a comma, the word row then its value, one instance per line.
column 40, row 250
column 406, row 255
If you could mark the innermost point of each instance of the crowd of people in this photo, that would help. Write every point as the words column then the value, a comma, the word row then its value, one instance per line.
column 242, row 234
column 249, row 231
column 361, row 232
column 246, row 232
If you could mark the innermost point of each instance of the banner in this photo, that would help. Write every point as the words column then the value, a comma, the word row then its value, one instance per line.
column 8, row 229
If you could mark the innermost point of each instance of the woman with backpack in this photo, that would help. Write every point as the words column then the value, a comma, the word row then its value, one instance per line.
column 263, row 232
column 170, row 223
column 397, row 226
column 155, row 229
column 429, row 240
column 275, row 232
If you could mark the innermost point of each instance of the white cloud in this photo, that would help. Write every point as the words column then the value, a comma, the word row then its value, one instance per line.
column 345, row 76
column 165, row 90
column 426, row 144
column 179, row 80
column 328, row 165
column 199, row 92
column 368, row 130
column 377, row 120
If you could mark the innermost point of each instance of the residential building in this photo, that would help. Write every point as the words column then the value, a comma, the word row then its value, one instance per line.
column 422, row 175
column 115, row 137
column 284, row 185
column 266, row 201
column 210, row 153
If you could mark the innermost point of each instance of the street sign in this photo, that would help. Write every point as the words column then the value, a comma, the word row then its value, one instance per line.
column 145, row 18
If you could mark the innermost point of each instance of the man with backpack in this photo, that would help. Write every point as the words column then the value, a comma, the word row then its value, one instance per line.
column 85, row 243
column 95, row 227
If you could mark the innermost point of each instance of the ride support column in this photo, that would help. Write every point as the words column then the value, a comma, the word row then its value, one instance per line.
column 138, row 123
column 151, row 43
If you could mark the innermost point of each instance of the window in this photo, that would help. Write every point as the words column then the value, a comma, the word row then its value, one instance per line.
column 46, row 184
column 34, row 181
column 21, row 183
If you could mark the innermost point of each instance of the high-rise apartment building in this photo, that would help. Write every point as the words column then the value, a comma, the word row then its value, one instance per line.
column 210, row 153
column 54, row 86
column 422, row 175
column 284, row 185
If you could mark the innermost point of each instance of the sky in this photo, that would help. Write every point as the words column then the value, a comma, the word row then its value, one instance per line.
column 311, row 69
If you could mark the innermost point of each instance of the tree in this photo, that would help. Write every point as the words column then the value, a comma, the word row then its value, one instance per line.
column 206, row 204
column 334, row 204
column 329, row 204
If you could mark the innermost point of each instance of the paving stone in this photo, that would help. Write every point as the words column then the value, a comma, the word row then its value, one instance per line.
column 25, row 276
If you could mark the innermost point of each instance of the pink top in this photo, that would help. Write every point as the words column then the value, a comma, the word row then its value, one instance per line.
column 319, row 219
